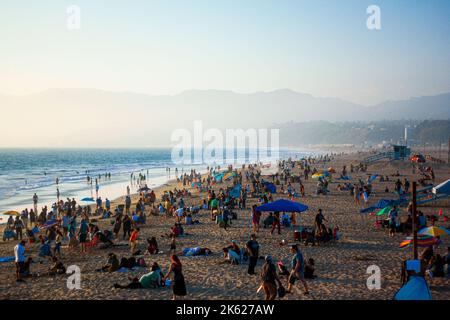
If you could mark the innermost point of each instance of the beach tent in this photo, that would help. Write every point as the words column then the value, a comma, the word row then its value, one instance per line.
column 372, row 178
column 87, row 200
column 282, row 205
column 236, row 191
column 383, row 203
column 270, row 187
column 443, row 188
column 415, row 289
column 434, row 231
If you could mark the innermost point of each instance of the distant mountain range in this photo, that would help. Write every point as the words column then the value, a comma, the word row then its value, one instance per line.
column 103, row 112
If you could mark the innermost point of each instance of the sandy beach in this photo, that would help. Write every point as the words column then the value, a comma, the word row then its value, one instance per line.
column 341, row 266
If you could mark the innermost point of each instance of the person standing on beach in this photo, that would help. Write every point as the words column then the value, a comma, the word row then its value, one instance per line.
column 126, row 223
column 255, row 219
column 18, row 226
column 35, row 202
column 298, row 269
column 179, row 285
column 134, row 239
column 24, row 217
column 276, row 223
column 252, row 247
column 392, row 216
column 82, row 234
column 19, row 258
column 127, row 204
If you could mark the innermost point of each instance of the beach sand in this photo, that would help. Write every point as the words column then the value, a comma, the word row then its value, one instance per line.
column 341, row 267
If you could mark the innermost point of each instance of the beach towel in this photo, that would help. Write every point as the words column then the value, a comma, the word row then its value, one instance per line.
column 7, row 259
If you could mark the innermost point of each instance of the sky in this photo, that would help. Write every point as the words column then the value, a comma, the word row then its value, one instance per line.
column 319, row 47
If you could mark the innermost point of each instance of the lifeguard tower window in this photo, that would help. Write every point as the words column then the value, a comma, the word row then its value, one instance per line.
column 401, row 152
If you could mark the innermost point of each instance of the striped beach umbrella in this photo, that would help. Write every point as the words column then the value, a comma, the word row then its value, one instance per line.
column 434, row 231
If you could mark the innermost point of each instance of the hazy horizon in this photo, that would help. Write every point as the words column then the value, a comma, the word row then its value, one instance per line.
column 134, row 71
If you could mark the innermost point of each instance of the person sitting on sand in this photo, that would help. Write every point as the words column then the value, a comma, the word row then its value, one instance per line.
column 147, row 281
column 230, row 256
column 194, row 252
column 112, row 265
column 57, row 267
column 44, row 250
column 25, row 268
column 152, row 246
column 309, row 269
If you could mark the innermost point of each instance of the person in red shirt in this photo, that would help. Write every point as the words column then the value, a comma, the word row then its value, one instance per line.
column 134, row 239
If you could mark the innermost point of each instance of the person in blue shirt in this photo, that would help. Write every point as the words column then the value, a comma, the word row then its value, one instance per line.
column 297, row 269
column 82, row 234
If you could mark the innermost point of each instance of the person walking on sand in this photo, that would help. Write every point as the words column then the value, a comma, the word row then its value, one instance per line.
column 19, row 258
column 179, row 285
column 35, row 202
column 298, row 269
column 269, row 279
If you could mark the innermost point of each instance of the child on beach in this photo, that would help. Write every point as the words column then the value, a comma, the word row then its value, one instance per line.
column 134, row 239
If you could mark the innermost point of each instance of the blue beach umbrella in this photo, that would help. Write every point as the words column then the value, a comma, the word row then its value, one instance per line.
column 87, row 200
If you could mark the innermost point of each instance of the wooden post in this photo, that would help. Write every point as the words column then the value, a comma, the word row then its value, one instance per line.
column 414, row 213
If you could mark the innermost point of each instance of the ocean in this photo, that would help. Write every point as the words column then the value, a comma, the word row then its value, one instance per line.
column 24, row 172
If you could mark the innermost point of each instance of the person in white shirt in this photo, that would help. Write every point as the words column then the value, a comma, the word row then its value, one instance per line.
column 19, row 258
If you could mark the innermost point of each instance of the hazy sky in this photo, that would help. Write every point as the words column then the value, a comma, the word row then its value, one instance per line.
column 164, row 47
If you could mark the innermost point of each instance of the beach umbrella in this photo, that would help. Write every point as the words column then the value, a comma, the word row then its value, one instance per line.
column 434, row 231
column 87, row 200
column 443, row 188
column 384, row 211
column 229, row 175
column 422, row 241
column 282, row 205
column 11, row 213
